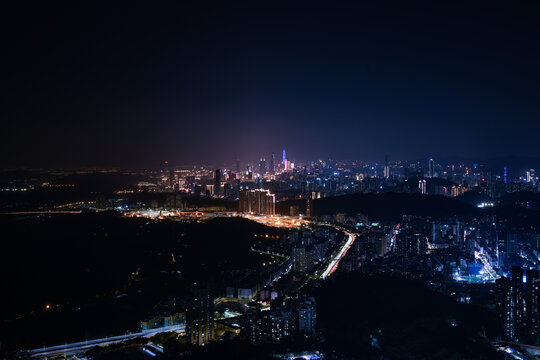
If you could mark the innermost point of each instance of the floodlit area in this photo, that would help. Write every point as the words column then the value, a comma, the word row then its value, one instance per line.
column 177, row 215
column 278, row 220
column 289, row 222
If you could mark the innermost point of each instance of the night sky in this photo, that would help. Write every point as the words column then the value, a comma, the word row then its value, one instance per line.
column 108, row 85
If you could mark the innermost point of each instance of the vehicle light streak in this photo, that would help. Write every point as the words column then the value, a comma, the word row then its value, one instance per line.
column 332, row 266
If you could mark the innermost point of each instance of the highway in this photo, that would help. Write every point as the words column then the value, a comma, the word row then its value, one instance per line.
column 79, row 347
column 341, row 253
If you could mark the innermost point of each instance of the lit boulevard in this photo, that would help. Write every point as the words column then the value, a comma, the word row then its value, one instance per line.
column 332, row 266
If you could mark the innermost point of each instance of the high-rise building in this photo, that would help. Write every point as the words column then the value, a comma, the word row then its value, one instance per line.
column 279, row 324
column 511, row 304
column 307, row 316
column 505, row 175
column 174, row 201
column 217, row 183
column 299, row 258
column 517, row 302
column 309, row 206
column 459, row 232
column 252, row 325
column 262, row 166
column 505, row 306
column 431, row 168
column 531, row 177
column 200, row 318
column 386, row 170
column 409, row 243
column 284, row 158
column 532, row 292
column 422, row 186
column 272, row 169
column 511, row 243
column 259, row 202
column 435, row 232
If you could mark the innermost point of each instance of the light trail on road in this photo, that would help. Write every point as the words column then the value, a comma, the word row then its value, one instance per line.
column 335, row 261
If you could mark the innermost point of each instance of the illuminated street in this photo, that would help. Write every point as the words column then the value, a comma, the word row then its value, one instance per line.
column 335, row 260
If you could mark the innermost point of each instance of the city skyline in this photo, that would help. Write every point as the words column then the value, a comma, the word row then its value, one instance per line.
column 297, row 180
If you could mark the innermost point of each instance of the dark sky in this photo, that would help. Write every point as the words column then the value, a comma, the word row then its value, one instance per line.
column 100, row 84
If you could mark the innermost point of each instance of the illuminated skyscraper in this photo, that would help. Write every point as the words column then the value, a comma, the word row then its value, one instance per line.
column 217, row 183
column 272, row 169
column 409, row 244
column 284, row 157
column 431, row 168
column 531, row 177
column 422, row 186
column 200, row 318
column 505, row 306
column 307, row 316
column 517, row 303
column 262, row 166
column 532, row 292
column 386, row 170
column 299, row 258
column 259, row 202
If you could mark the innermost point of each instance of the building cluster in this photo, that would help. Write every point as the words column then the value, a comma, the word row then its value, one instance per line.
column 300, row 180
column 310, row 248
column 257, row 202
column 476, row 259
column 410, row 243
column 287, row 179
column 517, row 303
column 285, row 320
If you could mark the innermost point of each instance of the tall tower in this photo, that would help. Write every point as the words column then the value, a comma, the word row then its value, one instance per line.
column 284, row 157
column 505, row 306
column 200, row 318
column 422, row 186
column 262, row 166
column 531, row 177
column 307, row 316
column 386, row 171
column 532, row 292
column 431, row 168
column 272, row 169
column 217, row 184
column 517, row 303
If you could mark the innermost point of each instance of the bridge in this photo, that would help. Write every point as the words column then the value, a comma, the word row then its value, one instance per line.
column 82, row 346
